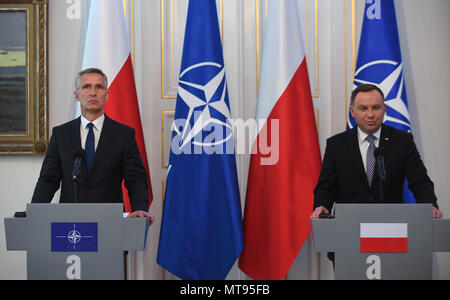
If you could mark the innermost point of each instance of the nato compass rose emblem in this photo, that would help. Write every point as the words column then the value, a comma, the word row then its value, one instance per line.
column 74, row 237
column 388, row 76
column 202, row 89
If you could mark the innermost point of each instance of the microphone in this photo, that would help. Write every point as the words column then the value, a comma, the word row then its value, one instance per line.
column 77, row 161
column 381, row 172
column 379, row 155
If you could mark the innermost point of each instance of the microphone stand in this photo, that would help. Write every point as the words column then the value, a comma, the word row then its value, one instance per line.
column 75, row 189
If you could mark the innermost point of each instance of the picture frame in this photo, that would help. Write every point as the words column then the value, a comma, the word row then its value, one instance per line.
column 24, row 77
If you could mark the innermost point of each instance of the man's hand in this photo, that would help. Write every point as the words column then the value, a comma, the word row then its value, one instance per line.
column 437, row 214
column 318, row 211
column 141, row 214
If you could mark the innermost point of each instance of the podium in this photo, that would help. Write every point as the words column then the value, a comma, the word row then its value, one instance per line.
column 75, row 241
column 382, row 241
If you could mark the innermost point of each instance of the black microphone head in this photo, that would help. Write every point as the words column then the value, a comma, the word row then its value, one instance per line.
column 378, row 151
column 79, row 153
column 78, row 158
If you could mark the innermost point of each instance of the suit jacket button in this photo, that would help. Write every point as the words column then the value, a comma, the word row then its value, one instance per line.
column 370, row 198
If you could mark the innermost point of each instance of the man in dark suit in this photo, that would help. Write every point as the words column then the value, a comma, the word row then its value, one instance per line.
column 108, row 148
column 348, row 174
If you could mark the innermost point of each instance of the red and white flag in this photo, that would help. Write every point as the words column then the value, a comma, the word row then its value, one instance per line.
column 108, row 48
column 384, row 237
column 280, row 195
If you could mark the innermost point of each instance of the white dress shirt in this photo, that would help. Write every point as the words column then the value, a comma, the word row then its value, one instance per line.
column 364, row 144
column 84, row 130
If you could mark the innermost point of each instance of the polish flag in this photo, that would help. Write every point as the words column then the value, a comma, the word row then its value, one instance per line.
column 384, row 237
column 280, row 186
column 108, row 48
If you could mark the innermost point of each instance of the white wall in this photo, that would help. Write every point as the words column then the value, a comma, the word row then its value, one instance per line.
column 424, row 33
column 20, row 172
column 424, row 30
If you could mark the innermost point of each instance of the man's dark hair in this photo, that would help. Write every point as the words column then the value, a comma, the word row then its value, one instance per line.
column 90, row 71
column 365, row 88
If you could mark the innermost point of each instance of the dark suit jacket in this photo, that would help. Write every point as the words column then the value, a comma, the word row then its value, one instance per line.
column 117, row 157
column 343, row 178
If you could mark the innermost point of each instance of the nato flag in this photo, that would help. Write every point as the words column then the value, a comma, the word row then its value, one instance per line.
column 74, row 237
column 201, row 231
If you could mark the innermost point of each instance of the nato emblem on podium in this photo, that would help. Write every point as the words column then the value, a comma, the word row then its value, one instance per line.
column 74, row 237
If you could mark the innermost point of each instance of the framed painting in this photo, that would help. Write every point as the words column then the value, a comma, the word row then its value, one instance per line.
column 23, row 76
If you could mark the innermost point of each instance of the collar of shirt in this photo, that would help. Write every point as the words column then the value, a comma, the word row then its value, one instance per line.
column 98, row 125
column 362, row 136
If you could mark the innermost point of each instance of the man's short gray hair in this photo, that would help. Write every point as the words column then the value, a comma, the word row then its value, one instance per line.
column 90, row 71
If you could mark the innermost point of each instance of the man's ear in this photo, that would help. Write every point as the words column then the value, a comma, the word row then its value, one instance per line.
column 351, row 111
column 75, row 95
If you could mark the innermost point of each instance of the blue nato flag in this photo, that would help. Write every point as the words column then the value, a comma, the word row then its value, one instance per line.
column 201, row 232
column 380, row 63
column 74, row 237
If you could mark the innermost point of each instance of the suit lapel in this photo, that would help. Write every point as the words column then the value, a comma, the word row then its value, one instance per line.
column 385, row 138
column 76, row 137
column 76, row 140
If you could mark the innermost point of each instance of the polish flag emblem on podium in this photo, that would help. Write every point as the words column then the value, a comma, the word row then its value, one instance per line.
column 384, row 237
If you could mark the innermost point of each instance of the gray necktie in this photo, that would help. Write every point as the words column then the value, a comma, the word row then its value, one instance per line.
column 370, row 161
